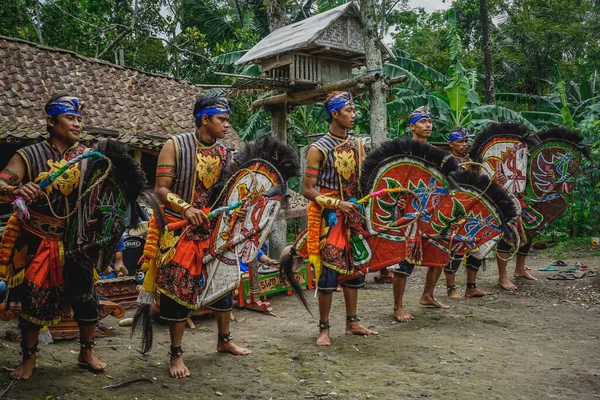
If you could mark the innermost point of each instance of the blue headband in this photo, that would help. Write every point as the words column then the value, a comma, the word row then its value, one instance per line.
column 458, row 134
column 419, row 114
column 418, row 117
column 220, row 107
column 64, row 105
column 338, row 102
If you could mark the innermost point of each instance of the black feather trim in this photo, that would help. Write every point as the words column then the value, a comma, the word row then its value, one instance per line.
column 154, row 203
column 282, row 157
column 402, row 148
column 127, row 171
column 491, row 191
column 566, row 135
column 505, row 128
column 287, row 274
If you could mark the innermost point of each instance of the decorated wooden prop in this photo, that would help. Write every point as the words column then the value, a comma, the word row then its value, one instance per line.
column 476, row 213
column 395, row 221
column 259, row 187
column 108, row 194
column 502, row 149
column 406, row 181
column 552, row 170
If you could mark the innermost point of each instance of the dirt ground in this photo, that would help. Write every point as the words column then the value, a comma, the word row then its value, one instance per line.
column 540, row 342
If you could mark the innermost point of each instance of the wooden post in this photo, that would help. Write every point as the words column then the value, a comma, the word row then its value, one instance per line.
column 276, row 17
column 277, row 239
column 374, row 61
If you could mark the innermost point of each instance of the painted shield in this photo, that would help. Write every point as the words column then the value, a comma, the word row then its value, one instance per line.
column 107, row 199
column 553, row 168
column 233, row 239
column 465, row 222
column 396, row 221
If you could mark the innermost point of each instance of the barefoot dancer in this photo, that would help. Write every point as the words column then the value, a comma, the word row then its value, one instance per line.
column 32, row 251
column 458, row 140
column 421, row 125
column 189, row 167
column 331, row 179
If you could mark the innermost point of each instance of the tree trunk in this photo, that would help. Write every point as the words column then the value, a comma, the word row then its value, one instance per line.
column 276, row 14
column 279, row 111
column 38, row 22
column 487, row 53
column 378, row 89
column 278, row 237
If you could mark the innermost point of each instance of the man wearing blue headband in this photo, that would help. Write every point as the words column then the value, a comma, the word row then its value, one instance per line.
column 458, row 140
column 37, row 279
column 188, row 180
column 331, row 180
column 421, row 126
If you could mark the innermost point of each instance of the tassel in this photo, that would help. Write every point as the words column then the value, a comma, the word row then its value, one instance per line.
column 144, row 316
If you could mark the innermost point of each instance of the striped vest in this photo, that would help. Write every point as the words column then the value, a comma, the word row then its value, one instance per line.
column 196, row 165
column 337, row 154
column 41, row 159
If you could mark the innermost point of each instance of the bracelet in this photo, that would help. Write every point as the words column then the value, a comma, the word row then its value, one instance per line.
column 7, row 194
column 165, row 170
column 327, row 202
column 177, row 203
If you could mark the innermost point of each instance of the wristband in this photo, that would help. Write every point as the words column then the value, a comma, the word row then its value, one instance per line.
column 6, row 194
column 176, row 203
column 327, row 202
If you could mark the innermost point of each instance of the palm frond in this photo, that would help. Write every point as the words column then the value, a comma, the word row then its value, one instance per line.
column 421, row 70
column 502, row 114
column 413, row 83
column 540, row 102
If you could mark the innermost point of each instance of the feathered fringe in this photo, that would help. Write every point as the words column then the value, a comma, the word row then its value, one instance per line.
column 7, row 245
column 404, row 148
column 145, row 297
column 566, row 135
column 505, row 128
column 286, row 272
column 282, row 157
column 143, row 316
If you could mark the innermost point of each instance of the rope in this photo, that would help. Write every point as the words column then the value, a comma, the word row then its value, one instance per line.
column 84, row 195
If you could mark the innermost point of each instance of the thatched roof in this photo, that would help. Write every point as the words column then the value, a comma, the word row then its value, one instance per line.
column 336, row 31
column 139, row 109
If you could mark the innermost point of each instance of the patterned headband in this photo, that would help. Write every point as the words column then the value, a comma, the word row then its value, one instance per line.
column 221, row 106
column 458, row 134
column 338, row 102
column 419, row 114
column 64, row 105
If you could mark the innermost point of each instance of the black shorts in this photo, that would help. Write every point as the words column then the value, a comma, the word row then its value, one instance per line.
column 84, row 312
column 328, row 281
column 504, row 247
column 472, row 264
column 403, row 268
column 172, row 311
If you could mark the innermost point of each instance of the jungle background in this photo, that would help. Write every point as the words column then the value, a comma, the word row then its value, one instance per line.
column 545, row 58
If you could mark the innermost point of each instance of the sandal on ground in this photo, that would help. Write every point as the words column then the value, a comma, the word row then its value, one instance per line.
column 559, row 263
column 581, row 266
column 561, row 277
column 549, row 268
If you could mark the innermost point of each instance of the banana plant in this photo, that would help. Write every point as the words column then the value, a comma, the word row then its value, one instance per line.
column 457, row 104
column 568, row 105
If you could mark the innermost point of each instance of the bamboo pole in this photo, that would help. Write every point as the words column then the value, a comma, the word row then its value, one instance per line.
column 365, row 79
column 211, row 86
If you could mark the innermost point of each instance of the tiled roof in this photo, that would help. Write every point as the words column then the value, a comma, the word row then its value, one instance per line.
column 141, row 109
